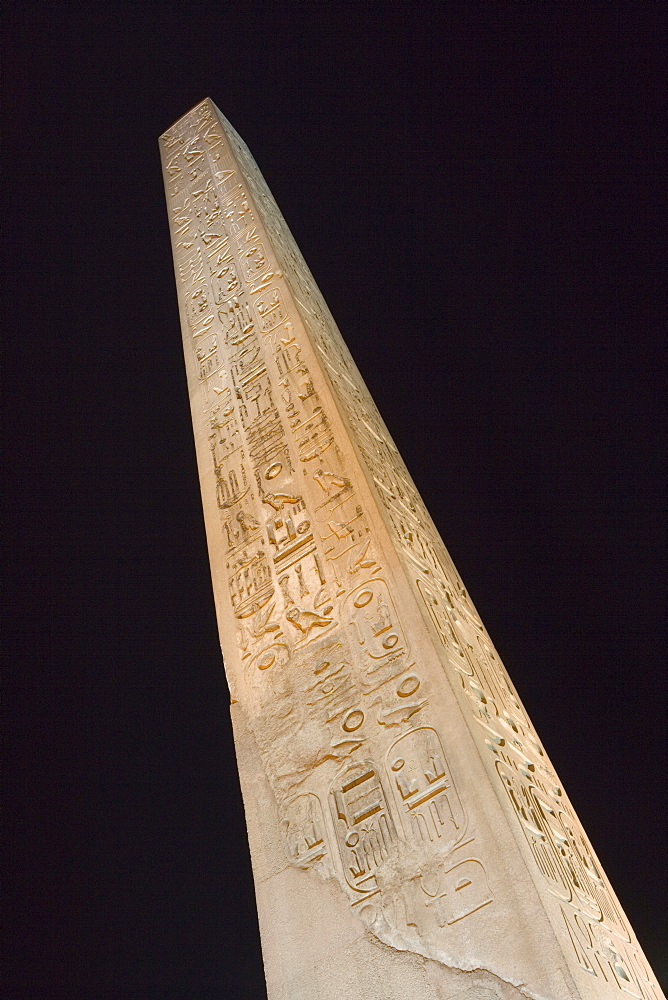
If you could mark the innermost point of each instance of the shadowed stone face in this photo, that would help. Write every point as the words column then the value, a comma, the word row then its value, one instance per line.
column 409, row 836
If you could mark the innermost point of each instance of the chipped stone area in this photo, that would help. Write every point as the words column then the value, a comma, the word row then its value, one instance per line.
column 370, row 973
column 309, row 925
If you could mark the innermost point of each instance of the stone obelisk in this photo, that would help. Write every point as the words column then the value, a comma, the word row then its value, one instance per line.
column 410, row 839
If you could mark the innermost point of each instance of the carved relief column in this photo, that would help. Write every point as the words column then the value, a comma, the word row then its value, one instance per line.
column 409, row 836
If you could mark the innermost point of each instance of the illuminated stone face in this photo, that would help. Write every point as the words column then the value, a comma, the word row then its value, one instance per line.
column 409, row 836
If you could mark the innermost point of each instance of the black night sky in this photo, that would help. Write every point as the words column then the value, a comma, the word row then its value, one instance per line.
column 478, row 197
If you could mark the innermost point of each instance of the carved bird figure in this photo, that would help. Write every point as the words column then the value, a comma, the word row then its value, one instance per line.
column 306, row 620
column 278, row 500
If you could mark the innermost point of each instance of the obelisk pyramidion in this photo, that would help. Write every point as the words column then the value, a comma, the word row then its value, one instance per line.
column 410, row 839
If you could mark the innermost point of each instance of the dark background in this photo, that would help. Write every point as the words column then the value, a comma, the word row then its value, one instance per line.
column 477, row 196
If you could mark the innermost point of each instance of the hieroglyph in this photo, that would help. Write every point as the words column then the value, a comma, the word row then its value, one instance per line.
column 350, row 643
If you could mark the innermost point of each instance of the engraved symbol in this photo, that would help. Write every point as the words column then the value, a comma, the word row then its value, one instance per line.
column 284, row 584
column 247, row 525
column 289, row 333
column 363, row 561
column 375, row 622
column 266, row 660
column 559, row 848
column 326, row 480
column 353, row 720
column 278, row 500
column 408, row 686
column 304, row 620
column 395, row 716
column 339, row 529
column 271, row 310
column 309, row 390
column 314, row 435
column 599, row 954
column 264, row 282
column 363, row 598
column 364, row 826
column 250, row 582
column 424, row 789
column 228, row 490
column 273, row 656
column 261, row 623
column 273, row 470
column 457, row 892
column 236, row 321
column 303, row 589
column 304, row 829
column 191, row 152
column 247, row 521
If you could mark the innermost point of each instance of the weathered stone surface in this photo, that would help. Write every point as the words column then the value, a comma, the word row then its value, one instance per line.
column 409, row 836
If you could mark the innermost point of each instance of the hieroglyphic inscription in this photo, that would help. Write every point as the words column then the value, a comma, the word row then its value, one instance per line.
column 424, row 790
column 304, row 829
column 458, row 891
column 364, row 826
column 335, row 699
column 329, row 678
column 600, row 953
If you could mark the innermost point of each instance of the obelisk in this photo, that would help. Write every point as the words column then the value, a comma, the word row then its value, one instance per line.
column 410, row 839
